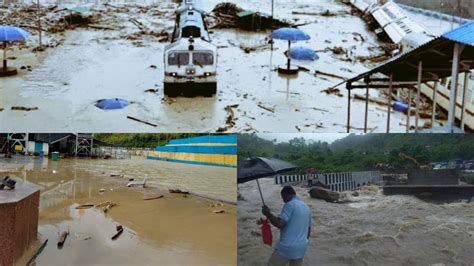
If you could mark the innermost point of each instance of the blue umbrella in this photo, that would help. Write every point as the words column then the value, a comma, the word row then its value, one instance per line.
column 290, row 34
column 110, row 104
column 10, row 34
column 302, row 53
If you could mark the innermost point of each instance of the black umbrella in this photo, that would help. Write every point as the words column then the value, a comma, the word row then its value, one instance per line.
column 255, row 168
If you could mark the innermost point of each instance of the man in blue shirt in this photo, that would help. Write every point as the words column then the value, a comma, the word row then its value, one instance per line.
column 294, row 223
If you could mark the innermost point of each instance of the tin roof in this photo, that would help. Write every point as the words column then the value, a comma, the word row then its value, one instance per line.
column 436, row 56
column 463, row 34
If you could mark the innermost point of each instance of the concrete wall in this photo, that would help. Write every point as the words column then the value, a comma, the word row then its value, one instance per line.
column 436, row 177
column 205, row 150
column 18, row 221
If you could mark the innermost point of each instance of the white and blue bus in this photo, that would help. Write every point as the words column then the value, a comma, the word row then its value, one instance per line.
column 191, row 59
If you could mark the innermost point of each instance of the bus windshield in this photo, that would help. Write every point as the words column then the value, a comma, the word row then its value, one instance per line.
column 178, row 59
column 203, row 59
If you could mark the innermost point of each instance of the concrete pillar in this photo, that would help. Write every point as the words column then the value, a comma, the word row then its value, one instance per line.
column 19, row 211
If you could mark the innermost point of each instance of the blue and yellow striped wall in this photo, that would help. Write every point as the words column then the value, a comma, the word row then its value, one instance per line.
column 205, row 150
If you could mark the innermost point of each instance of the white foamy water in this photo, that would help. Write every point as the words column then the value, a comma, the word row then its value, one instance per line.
column 373, row 229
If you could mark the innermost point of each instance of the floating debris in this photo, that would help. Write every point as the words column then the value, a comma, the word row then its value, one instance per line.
column 22, row 108
column 337, row 50
column 141, row 121
column 179, row 191
column 109, row 206
column 269, row 109
column 62, row 239
column 334, row 91
column 134, row 183
column 152, row 90
column 119, row 229
column 229, row 15
column 230, row 118
column 40, row 249
column 85, row 206
column 154, row 197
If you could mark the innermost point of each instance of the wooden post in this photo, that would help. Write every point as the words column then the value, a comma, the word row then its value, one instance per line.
column 433, row 110
column 409, row 110
column 389, row 102
column 366, row 107
column 348, row 110
column 418, row 92
column 463, row 110
column 454, row 82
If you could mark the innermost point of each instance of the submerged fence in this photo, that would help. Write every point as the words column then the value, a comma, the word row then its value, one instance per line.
column 338, row 181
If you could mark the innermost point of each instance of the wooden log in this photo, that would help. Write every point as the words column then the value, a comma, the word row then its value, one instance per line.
column 119, row 232
column 22, row 108
column 101, row 204
column 137, row 23
column 141, row 121
column 371, row 99
column 155, row 197
column 85, row 206
column 109, row 206
column 179, row 191
column 62, row 239
column 266, row 108
column 329, row 75
column 40, row 249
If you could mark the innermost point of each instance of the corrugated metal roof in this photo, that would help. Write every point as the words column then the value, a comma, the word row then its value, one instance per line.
column 463, row 34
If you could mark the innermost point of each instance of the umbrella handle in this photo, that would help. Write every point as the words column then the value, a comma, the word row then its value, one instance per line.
column 5, row 55
column 259, row 190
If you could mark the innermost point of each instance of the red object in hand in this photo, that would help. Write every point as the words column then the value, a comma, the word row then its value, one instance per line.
column 267, row 232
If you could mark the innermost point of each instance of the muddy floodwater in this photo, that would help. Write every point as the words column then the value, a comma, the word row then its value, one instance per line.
column 372, row 230
column 66, row 81
column 174, row 229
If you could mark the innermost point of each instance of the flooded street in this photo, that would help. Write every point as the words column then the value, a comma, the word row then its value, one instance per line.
column 90, row 65
column 371, row 230
column 171, row 228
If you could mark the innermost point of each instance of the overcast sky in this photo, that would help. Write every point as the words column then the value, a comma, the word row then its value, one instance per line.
column 284, row 137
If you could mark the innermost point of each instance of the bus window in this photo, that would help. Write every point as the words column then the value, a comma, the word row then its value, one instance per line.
column 203, row 59
column 191, row 31
column 178, row 59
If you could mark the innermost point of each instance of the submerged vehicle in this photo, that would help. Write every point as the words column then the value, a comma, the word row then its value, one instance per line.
column 190, row 61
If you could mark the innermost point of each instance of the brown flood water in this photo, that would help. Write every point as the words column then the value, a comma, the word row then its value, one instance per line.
column 171, row 230
column 372, row 229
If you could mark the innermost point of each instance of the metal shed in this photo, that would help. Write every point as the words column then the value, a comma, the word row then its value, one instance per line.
column 445, row 56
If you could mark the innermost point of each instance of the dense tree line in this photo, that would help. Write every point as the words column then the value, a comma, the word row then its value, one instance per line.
column 361, row 152
column 148, row 140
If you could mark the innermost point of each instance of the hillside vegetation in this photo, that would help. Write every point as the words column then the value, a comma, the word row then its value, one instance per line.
column 361, row 152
